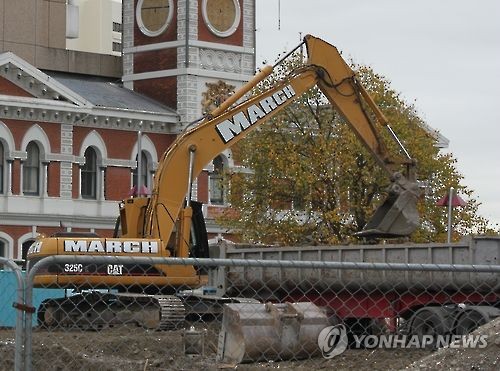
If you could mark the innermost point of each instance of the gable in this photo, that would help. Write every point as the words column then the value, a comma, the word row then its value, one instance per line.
column 8, row 88
column 28, row 81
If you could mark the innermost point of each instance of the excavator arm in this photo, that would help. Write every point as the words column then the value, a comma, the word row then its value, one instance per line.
column 232, row 121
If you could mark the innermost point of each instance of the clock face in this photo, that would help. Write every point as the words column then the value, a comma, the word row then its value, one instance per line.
column 154, row 16
column 221, row 16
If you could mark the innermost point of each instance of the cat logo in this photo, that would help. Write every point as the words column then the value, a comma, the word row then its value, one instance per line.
column 115, row 269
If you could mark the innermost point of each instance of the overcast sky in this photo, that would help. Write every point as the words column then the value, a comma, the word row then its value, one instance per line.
column 441, row 55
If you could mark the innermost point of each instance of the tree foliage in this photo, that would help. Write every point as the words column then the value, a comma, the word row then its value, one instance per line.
column 311, row 181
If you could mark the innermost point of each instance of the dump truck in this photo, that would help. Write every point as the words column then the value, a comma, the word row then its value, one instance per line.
column 366, row 301
column 401, row 293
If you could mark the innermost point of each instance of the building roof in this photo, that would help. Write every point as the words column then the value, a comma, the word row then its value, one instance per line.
column 72, row 98
column 108, row 93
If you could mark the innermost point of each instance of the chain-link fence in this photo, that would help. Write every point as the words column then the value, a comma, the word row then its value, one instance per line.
column 254, row 313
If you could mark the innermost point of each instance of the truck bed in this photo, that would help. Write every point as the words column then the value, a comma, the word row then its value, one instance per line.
column 478, row 250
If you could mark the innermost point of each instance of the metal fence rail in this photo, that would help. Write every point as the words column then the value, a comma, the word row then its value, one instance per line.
column 250, row 311
column 210, row 262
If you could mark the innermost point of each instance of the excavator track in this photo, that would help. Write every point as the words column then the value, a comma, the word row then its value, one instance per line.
column 94, row 311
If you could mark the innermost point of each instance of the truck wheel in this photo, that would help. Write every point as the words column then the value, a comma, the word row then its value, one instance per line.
column 428, row 321
column 468, row 322
column 472, row 317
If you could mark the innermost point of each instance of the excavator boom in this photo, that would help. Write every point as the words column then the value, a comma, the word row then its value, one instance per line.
column 231, row 122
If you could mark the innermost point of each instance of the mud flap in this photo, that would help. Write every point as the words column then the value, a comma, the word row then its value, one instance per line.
column 255, row 332
column 396, row 217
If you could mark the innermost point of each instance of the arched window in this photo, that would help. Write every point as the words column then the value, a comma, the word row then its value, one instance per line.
column 217, row 182
column 2, row 169
column 31, row 170
column 6, row 245
column 24, row 251
column 144, row 171
column 89, row 174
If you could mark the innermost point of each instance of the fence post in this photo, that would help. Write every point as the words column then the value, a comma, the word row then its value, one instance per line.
column 28, row 319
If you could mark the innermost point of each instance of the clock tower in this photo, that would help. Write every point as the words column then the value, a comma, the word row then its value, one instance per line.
column 175, row 50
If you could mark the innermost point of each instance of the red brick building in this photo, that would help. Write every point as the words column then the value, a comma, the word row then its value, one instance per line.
column 69, row 121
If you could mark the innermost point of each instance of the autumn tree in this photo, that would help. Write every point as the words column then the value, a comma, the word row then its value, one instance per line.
column 309, row 180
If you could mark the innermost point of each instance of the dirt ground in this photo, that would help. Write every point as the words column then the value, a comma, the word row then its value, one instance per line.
column 132, row 348
column 467, row 359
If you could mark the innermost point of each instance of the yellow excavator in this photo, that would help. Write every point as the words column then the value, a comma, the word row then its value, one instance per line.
column 170, row 224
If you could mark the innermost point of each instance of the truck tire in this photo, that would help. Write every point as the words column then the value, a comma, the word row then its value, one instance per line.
column 429, row 321
column 472, row 317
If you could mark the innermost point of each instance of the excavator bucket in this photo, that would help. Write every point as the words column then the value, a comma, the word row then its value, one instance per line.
column 396, row 217
column 255, row 332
